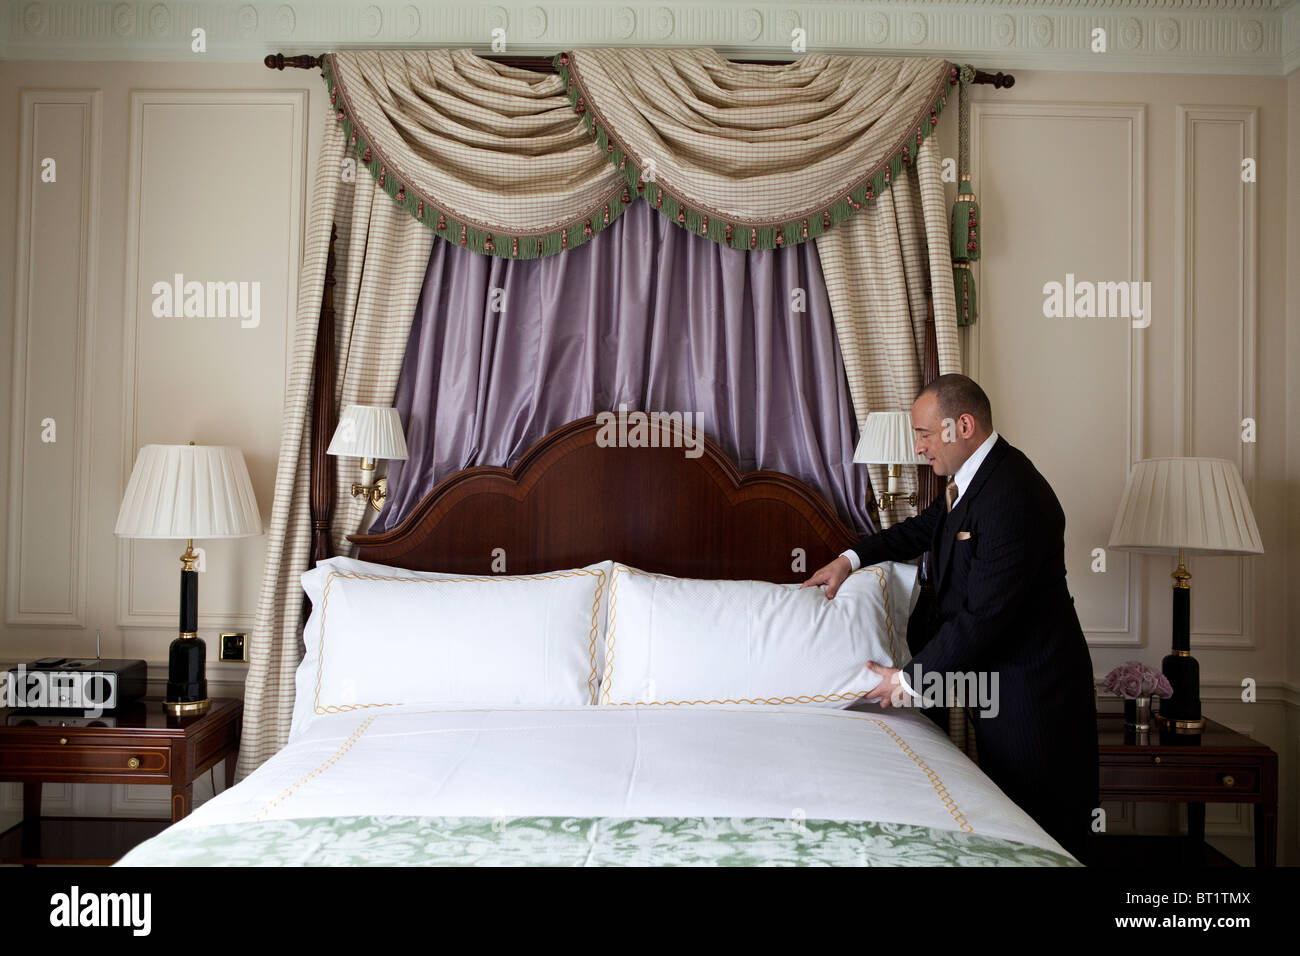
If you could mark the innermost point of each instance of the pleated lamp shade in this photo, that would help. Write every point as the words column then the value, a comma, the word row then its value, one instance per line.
column 887, row 439
column 189, row 491
column 1198, row 505
column 369, row 431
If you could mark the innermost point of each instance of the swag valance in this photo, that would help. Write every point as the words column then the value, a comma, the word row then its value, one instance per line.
column 517, row 164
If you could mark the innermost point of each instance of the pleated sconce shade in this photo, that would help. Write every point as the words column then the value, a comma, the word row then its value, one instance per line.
column 189, row 491
column 887, row 439
column 369, row 431
column 1198, row 505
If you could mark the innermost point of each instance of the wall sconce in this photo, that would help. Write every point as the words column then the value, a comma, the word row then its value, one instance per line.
column 887, row 440
column 369, row 432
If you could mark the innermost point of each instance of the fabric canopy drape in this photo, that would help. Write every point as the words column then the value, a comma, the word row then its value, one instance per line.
column 647, row 316
column 514, row 164
column 381, row 254
column 831, row 148
column 881, row 267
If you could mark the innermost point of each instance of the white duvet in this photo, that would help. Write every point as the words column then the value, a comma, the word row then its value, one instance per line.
column 790, row 762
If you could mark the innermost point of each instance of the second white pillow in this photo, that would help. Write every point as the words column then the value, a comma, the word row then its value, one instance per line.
column 689, row 642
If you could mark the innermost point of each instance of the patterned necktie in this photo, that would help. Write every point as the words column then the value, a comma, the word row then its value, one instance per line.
column 951, row 492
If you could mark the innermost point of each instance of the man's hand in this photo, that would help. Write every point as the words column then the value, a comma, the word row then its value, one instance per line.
column 832, row 575
column 889, row 690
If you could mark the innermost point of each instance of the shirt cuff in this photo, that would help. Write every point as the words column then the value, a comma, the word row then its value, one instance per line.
column 906, row 686
column 854, row 561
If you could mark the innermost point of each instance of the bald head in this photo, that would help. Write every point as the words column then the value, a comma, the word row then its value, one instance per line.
column 951, row 418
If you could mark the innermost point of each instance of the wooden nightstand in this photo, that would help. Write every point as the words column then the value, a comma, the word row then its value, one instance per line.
column 1218, row 766
column 140, row 744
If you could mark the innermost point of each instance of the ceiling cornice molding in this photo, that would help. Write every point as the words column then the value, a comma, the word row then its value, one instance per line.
column 1247, row 37
column 1291, row 38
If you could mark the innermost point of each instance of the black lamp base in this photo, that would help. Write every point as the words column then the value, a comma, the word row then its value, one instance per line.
column 187, row 685
column 1181, row 713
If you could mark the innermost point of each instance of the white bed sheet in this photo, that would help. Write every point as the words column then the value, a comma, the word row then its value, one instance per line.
column 790, row 762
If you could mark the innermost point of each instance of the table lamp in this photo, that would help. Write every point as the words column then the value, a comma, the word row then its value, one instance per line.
column 1184, row 506
column 369, row 432
column 187, row 492
column 887, row 439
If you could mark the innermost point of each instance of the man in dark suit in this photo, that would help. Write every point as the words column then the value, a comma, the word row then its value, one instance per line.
column 1001, row 607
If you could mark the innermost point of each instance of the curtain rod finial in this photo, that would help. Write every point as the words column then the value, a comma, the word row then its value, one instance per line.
column 998, row 80
column 278, row 61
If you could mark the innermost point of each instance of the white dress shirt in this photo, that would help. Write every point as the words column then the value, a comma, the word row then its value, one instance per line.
column 965, row 472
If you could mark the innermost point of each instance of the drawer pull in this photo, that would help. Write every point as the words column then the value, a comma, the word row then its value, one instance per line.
column 133, row 763
column 63, row 740
column 1157, row 759
column 1227, row 780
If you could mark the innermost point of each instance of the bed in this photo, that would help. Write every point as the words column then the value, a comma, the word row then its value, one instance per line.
column 592, row 773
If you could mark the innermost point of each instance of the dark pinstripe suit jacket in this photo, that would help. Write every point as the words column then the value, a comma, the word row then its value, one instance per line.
column 1001, row 604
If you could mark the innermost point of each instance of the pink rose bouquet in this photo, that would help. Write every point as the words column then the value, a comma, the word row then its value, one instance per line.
column 1134, row 679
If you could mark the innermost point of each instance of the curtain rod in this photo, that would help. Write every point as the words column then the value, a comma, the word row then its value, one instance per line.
column 543, row 64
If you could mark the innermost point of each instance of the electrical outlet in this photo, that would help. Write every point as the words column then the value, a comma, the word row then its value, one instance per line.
column 234, row 648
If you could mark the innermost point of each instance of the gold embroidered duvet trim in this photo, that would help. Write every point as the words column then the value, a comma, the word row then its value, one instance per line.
column 610, row 637
column 552, row 576
column 343, row 748
column 813, row 699
column 942, row 791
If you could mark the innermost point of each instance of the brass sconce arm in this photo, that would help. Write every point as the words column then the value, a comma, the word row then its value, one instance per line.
column 370, row 487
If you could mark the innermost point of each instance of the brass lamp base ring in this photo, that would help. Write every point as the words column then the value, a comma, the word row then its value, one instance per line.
column 1180, row 726
column 188, row 708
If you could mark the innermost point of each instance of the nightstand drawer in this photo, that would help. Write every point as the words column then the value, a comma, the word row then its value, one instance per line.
column 1166, row 772
column 74, row 757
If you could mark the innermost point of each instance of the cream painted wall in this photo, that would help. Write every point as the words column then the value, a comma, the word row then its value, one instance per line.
column 161, row 169
column 203, row 170
column 1137, row 177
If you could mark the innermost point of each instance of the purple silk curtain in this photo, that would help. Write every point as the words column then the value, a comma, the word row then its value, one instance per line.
column 648, row 315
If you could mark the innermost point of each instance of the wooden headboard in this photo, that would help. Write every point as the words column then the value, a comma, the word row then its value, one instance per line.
column 570, row 501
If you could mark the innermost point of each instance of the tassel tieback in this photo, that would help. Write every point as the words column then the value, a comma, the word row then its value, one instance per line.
column 964, row 286
column 965, row 226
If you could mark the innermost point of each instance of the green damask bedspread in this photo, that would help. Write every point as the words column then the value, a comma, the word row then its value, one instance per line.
column 597, row 841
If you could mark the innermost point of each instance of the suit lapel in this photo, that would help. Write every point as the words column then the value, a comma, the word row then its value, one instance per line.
column 947, row 530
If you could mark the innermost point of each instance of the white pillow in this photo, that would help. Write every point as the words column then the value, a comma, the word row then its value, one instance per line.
column 685, row 641
column 380, row 636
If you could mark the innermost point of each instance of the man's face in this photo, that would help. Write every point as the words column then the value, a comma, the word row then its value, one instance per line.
column 928, row 425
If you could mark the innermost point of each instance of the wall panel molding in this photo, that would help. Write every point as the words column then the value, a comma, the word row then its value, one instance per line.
column 1240, row 266
column 157, row 105
column 56, row 246
column 1129, row 633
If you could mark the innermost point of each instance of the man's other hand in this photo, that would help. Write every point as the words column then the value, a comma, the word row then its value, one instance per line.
column 832, row 575
column 890, row 689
